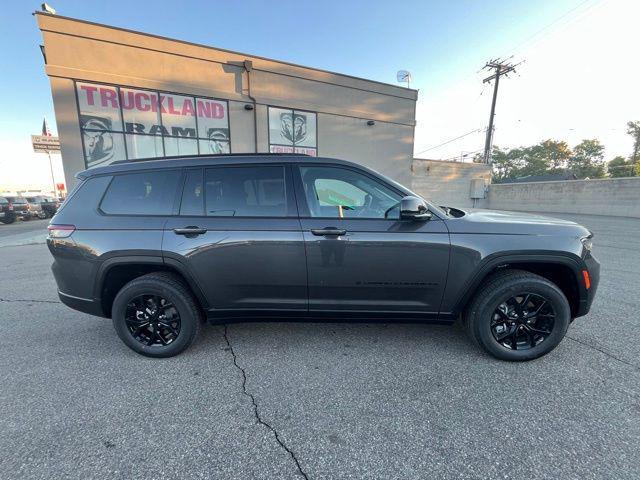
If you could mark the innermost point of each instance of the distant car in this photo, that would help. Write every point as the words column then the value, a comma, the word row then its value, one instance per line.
column 35, row 207
column 16, row 207
column 48, row 205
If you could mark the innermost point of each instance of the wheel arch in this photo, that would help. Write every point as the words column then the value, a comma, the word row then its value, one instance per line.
column 116, row 272
column 564, row 270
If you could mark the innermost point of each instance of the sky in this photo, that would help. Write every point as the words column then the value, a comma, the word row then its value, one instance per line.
column 578, row 76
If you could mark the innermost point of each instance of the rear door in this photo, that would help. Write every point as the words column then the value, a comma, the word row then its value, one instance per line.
column 237, row 233
column 360, row 256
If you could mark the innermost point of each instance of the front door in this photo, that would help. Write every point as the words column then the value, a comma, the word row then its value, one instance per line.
column 360, row 256
column 238, row 234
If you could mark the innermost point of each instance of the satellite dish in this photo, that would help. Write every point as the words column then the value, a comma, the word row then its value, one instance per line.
column 404, row 76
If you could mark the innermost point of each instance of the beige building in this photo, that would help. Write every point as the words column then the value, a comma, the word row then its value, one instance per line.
column 122, row 94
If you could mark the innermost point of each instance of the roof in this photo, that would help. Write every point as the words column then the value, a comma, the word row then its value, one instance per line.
column 208, row 160
column 399, row 89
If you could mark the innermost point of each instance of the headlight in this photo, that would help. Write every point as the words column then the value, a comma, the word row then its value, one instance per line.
column 587, row 243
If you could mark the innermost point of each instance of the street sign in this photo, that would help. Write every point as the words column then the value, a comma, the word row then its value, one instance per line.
column 45, row 144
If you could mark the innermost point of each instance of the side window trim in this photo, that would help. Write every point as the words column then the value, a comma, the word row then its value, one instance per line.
column 303, row 207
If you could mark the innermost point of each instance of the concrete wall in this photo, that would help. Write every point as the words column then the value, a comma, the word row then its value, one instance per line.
column 611, row 196
column 446, row 183
column 92, row 52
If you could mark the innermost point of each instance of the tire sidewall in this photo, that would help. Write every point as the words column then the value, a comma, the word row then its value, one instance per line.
column 482, row 325
column 188, row 322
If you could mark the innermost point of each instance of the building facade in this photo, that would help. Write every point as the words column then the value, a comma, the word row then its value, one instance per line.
column 120, row 94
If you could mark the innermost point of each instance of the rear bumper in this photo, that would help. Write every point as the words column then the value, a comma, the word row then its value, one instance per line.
column 586, row 298
column 85, row 305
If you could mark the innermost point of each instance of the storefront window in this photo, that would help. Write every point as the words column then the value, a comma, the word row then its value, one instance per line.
column 292, row 131
column 120, row 123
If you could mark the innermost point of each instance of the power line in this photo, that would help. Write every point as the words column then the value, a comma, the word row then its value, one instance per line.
column 449, row 141
column 551, row 24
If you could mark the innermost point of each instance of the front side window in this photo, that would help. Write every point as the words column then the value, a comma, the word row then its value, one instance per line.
column 145, row 193
column 255, row 191
column 292, row 131
column 334, row 192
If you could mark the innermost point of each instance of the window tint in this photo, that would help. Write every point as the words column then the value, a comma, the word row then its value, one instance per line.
column 146, row 193
column 343, row 193
column 257, row 191
column 192, row 194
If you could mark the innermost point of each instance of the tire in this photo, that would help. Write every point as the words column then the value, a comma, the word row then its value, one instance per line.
column 8, row 220
column 500, row 322
column 168, row 287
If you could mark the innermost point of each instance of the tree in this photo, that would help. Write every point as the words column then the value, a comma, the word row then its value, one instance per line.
column 588, row 159
column 633, row 129
column 557, row 153
column 620, row 167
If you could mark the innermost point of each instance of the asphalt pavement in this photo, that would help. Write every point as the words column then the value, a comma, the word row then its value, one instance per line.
column 312, row 400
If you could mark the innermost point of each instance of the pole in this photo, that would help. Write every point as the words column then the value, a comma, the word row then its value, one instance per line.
column 53, row 180
column 489, row 138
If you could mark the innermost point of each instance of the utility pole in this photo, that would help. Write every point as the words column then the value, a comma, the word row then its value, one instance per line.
column 500, row 68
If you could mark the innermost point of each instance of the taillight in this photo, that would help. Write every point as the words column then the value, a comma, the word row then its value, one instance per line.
column 11, row 207
column 60, row 231
column 28, row 206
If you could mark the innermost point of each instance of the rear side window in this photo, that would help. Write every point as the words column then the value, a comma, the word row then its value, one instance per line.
column 252, row 191
column 3, row 201
column 145, row 193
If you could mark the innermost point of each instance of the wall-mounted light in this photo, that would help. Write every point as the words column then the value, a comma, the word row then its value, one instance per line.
column 371, row 122
column 248, row 106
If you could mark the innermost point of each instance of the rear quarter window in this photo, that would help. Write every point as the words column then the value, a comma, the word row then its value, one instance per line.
column 143, row 193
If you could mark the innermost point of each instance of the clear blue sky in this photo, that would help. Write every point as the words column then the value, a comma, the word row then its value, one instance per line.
column 439, row 41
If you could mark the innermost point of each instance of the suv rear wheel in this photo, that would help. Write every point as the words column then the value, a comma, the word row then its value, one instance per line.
column 156, row 315
column 518, row 316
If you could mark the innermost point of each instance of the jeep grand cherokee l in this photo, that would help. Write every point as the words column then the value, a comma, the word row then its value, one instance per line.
column 160, row 246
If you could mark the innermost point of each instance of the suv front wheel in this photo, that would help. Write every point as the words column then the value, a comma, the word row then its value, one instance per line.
column 518, row 315
column 156, row 315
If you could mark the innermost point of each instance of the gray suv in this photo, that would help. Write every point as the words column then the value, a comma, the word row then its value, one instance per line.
column 160, row 246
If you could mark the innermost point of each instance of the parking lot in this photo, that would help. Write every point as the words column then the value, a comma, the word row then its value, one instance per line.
column 311, row 400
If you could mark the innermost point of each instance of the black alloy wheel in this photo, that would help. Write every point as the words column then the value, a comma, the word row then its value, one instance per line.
column 523, row 321
column 152, row 320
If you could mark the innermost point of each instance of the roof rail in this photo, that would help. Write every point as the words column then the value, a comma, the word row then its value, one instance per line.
column 176, row 157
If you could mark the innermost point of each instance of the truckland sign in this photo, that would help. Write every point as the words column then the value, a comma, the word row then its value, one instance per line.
column 120, row 122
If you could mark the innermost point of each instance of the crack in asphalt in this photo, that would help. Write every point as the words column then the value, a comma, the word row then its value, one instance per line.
column 256, row 413
column 23, row 300
column 603, row 351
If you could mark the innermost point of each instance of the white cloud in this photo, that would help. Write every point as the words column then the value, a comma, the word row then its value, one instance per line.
column 579, row 80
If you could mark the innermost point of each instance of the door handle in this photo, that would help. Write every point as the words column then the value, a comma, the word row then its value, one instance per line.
column 189, row 231
column 322, row 232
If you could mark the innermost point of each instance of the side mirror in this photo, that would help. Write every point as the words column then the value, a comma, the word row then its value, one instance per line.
column 414, row 208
